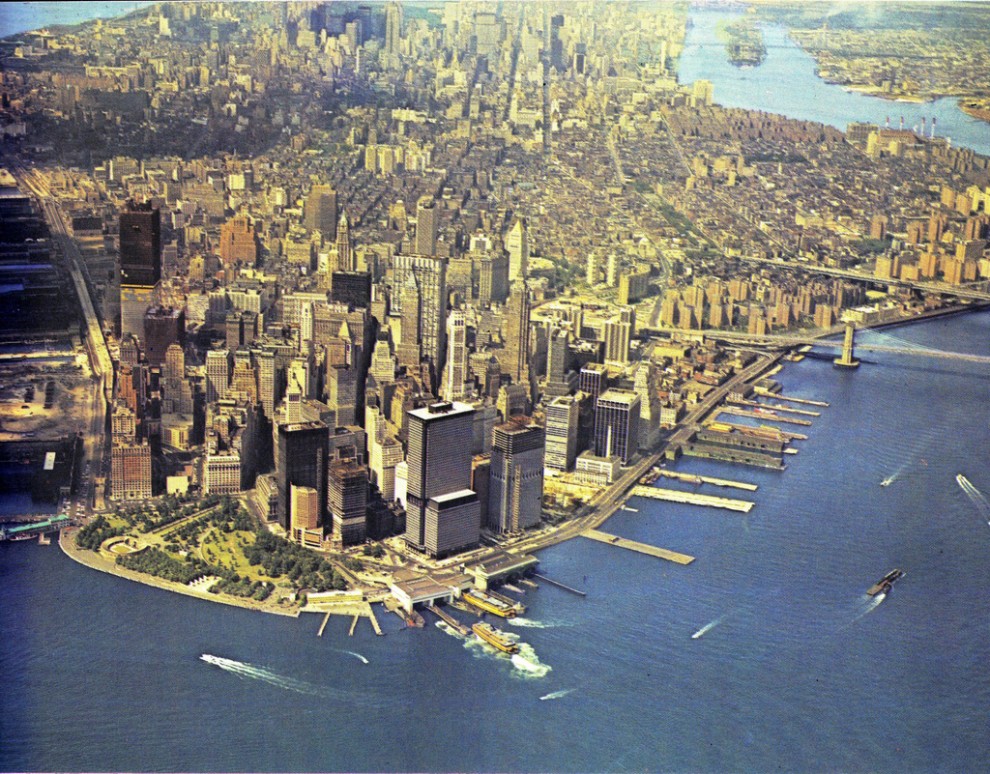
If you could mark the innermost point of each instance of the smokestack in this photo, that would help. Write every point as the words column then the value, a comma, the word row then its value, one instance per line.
column 922, row 126
column 902, row 123
column 933, row 127
column 887, row 125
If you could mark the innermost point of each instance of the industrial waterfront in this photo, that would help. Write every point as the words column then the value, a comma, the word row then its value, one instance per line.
column 795, row 663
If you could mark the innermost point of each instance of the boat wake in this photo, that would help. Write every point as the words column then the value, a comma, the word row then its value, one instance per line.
column 253, row 672
column 528, row 664
column 867, row 605
column 358, row 656
column 557, row 695
column 975, row 496
column 707, row 628
column 529, row 623
column 446, row 628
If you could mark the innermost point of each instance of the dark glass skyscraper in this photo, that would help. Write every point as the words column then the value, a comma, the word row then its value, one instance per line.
column 301, row 459
column 140, row 245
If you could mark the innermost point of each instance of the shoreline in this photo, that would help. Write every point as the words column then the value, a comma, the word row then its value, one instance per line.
column 94, row 561
column 609, row 501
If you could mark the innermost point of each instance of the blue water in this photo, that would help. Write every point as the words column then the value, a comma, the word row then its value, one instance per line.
column 25, row 17
column 797, row 672
column 786, row 83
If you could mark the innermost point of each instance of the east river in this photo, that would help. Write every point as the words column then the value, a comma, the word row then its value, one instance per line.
column 792, row 667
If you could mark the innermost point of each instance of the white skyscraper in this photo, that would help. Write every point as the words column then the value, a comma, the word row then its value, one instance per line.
column 455, row 370
column 517, row 245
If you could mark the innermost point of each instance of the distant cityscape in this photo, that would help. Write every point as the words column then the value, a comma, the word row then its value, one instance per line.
column 421, row 289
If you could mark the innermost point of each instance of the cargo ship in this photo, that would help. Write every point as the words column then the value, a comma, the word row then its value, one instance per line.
column 493, row 603
column 885, row 583
column 495, row 637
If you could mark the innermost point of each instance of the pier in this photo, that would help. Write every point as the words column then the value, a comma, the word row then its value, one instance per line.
column 559, row 585
column 805, row 401
column 690, row 478
column 642, row 548
column 448, row 619
column 765, row 414
column 356, row 610
column 775, row 407
column 691, row 498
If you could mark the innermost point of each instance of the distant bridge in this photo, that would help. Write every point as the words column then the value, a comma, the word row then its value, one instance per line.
column 784, row 340
column 969, row 291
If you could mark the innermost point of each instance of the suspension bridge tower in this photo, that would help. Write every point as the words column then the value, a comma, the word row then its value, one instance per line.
column 846, row 359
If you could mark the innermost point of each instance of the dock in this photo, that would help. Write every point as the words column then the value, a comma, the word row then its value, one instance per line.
column 776, row 407
column 560, row 585
column 766, row 415
column 448, row 619
column 806, row 401
column 642, row 548
column 693, row 479
column 357, row 611
column 691, row 498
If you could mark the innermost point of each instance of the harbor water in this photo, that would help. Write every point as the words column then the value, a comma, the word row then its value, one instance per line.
column 763, row 653
column 787, row 83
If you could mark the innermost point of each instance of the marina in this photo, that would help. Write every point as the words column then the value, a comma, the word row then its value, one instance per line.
column 708, row 501
column 641, row 548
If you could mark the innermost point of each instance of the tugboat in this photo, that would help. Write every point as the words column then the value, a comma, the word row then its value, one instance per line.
column 495, row 637
column 885, row 583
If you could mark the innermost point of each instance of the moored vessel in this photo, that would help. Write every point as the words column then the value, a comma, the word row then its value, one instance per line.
column 494, row 603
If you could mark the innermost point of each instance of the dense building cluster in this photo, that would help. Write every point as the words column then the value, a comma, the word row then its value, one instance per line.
column 391, row 269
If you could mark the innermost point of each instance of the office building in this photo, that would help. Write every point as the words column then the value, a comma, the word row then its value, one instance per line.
column 517, row 245
column 140, row 265
column 420, row 300
column 561, row 433
column 454, row 385
column 439, row 464
column 348, row 486
column 162, row 328
column 320, row 211
column 617, row 424
column 301, row 459
column 515, row 497
column 130, row 472
column 427, row 217
column 515, row 355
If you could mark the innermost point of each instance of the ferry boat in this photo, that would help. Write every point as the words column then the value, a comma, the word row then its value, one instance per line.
column 885, row 583
column 495, row 637
column 493, row 603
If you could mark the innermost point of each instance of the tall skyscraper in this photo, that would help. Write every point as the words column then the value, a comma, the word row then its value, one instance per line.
column 618, row 333
column 517, row 245
column 301, row 459
column 455, row 371
column 515, row 497
column 617, row 424
column 428, row 277
column 593, row 379
column 562, row 432
column 320, row 211
column 348, row 484
column 345, row 253
column 393, row 29
column 140, row 245
column 442, row 513
column 426, row 226
column 140, row 265
column 515, row 356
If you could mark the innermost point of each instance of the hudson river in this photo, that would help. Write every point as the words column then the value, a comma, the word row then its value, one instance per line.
column 794, row 668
